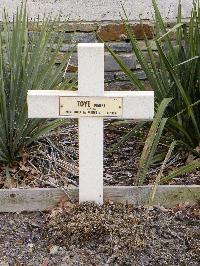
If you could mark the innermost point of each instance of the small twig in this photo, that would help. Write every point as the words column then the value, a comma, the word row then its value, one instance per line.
column 64, row 190
column 36, row 169
column 50, row 183
column 67, row 179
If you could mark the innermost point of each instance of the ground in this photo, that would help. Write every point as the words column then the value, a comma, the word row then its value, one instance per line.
column 109, row 235
column 53, row 160
column 87, row 234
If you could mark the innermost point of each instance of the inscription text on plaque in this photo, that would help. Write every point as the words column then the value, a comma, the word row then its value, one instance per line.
column 91, row 106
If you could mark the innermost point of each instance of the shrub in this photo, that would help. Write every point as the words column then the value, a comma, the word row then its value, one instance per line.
column 27, row 62
column 174, row 73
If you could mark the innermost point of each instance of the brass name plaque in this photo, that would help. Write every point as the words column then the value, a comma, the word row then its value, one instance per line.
column 90, row 106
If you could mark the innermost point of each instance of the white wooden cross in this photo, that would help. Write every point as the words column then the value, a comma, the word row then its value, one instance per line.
column 91, row 104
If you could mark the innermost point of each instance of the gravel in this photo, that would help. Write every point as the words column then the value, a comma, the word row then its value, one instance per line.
column 88, row 234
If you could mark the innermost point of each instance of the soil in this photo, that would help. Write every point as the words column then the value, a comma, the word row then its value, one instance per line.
column 53, row 160
column 88, row 234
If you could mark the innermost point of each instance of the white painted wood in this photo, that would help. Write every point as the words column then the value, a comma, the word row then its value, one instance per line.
column 90, row 69
column 91, row 159
column 91, row 83
column 136, row 104
column 40, row 199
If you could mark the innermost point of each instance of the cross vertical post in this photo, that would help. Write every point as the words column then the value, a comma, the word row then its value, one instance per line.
column 91, row 83
column 91, row 104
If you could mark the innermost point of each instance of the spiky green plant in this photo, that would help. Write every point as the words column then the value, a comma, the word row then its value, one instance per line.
column 174, row 73
column 26, row 63
column 151, row 145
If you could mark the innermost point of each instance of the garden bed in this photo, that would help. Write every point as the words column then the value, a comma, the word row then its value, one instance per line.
column 53, row 161
column 109, row 235
column 48, row 173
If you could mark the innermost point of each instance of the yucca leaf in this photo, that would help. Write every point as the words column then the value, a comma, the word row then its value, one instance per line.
column 127, row 136
column 176, row 80
column 152, row 141
column 160, row 174
column 177, row 26
column 45, row 129
column 189, row 60
column 181, row 171
column 26, row 62
column 140, row 56
column 133, row 77
column 160, row 23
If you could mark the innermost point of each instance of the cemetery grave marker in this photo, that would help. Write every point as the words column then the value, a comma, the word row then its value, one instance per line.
column 90, row 104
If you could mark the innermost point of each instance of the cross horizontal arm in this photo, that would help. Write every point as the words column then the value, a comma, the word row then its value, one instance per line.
column 138, row 105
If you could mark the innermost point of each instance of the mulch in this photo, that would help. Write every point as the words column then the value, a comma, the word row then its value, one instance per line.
column 53, row 160
column 88, row 234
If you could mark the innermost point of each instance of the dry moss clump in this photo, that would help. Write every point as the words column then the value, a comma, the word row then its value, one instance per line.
column 113, row 226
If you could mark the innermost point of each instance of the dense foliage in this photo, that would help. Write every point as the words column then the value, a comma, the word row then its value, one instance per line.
column 27, row 62
column 173, row 74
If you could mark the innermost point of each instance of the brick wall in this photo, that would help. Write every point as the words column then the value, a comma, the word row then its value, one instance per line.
column 114, row 35
column 103, row 18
